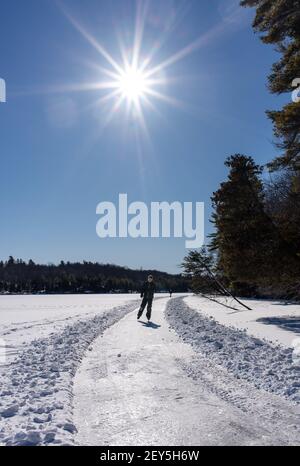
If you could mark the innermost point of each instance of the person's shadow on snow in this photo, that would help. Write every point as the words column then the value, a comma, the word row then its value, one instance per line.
column 149, row 324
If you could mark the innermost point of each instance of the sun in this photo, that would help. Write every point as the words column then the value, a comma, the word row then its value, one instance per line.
column 134, row 81
column 132, row 84
column 133, row 78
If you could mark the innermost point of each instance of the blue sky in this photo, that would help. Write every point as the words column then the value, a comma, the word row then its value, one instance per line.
column 58, row 160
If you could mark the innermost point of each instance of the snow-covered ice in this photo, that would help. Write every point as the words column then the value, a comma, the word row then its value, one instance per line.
column 36, row 381
column 261, row 322
column 268, row 366
column 139, row 386
column 26, row 317
column 79, row 368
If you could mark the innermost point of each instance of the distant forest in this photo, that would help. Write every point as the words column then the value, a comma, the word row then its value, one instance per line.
column 18, row 276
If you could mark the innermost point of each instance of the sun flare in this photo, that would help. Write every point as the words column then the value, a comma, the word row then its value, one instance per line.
column 133, row 78
column 132, row 84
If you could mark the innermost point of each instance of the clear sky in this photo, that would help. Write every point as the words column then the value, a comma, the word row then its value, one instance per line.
column 63, row 151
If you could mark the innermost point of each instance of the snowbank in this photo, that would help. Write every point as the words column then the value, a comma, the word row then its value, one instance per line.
column 273, row 321
column 267, row 366
column 36, row 388
column 23, row 318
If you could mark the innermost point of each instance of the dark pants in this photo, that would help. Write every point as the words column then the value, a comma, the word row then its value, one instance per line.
column 148, row 302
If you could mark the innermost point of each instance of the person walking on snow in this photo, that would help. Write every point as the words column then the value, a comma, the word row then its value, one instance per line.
column 147, row 294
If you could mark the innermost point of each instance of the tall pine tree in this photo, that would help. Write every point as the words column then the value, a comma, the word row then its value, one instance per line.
column 244, row 237
column 279, row 23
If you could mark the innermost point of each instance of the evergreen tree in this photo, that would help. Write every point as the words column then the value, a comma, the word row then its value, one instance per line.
column 279, row 23
column 244, row 236
column 196, row 265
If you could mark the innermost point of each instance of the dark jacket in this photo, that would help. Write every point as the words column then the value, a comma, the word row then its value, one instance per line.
column 148, row 290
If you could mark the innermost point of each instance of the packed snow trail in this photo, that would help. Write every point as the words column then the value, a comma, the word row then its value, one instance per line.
column 132, row 389
column 36, row 387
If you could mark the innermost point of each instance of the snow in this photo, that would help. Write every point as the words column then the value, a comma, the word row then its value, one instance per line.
column 142, row 384
column 80, row 369
column 47, row 337
column 269, row 311
column 265, row 365
column 24, row 317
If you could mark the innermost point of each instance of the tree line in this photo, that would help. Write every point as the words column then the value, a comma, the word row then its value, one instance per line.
column 255, row 247
column 18, row 276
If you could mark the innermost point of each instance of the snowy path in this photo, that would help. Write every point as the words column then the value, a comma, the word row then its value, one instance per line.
column 36, row 386
column 132, row 389
column 26, row 317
